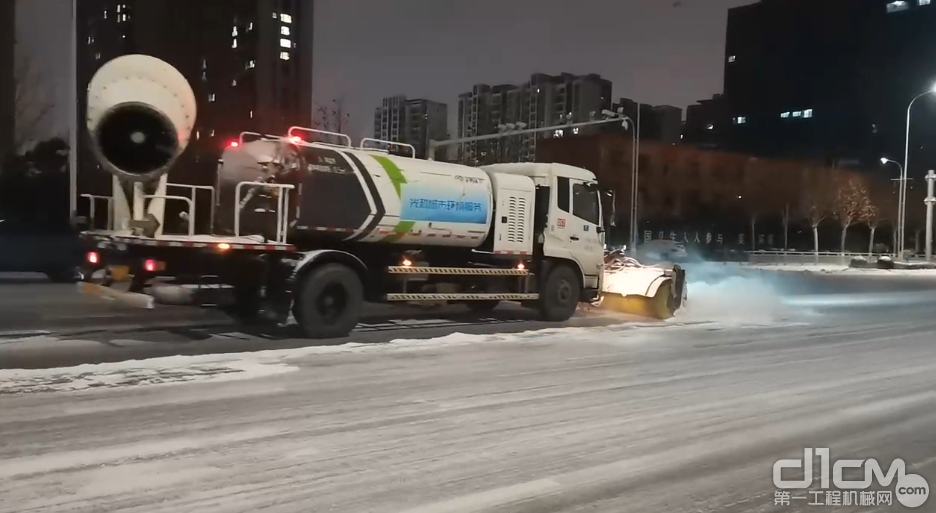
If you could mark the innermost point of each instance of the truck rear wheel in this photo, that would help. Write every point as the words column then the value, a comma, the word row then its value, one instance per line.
column 329, row 302
column 559, row 297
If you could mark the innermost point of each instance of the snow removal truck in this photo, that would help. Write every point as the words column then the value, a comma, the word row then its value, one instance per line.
column 315, row 230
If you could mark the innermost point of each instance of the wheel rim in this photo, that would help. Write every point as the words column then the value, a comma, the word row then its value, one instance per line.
column 332, row 302
column 563, row 292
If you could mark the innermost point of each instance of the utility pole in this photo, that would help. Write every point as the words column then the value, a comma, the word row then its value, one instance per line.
column 930, row 200
column 73, row 116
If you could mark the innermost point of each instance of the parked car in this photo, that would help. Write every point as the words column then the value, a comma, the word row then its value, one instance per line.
column 658, row 251
column 25, row 247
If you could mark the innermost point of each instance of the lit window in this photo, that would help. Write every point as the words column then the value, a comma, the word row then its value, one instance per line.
column 558, row 133
column 785, row 115
column 284, row 30
column 251, row 114
column 807, row 113
column 251, row 64
column 899, row 5
column 124, row 17
column 732, row 58
column 740, row 120
column 710, row 127
column 923, row 2
column 250, row 26
column 197, row 135
column 234, row 44
column 234, row 32
column 285, row 43
column 798, row 114
column 575, row 130
column 234, row 83
column 285, row 18
column 204, row 64
column 212, row 97
column 284, row 56
column 90, row 39
column 212, row 132
column 275, row 16
column 105, row 14
column 97, row 56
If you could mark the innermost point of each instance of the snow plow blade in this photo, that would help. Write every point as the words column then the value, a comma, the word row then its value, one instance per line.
column 645, row 291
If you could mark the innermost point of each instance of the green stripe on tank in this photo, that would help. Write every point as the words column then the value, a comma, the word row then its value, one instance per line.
column 395, row 174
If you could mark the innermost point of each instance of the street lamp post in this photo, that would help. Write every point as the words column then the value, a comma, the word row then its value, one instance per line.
column 73, row 115
column 900, row 206
column 901, row 215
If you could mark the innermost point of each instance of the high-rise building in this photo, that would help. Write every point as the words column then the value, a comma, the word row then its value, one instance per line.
column 411, row 121
column 248, row 61
column 657, row 122
column 544, row 100
column 831, row 80
column 7, row 77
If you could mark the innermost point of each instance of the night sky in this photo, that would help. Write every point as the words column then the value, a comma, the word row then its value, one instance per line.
column 655, row 51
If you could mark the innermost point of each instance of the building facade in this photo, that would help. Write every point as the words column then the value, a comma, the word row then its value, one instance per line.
column 7, row 77
column 657, row 122
column 411, row 121
column 248, row 61
column 831, row 80
column 542, row 101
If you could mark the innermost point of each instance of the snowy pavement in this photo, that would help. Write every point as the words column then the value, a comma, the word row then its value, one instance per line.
column 685, row 416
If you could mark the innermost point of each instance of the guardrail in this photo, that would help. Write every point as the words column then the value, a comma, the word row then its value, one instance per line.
column 805, row 257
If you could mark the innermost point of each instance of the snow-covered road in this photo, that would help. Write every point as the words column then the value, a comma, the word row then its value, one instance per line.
column 684, row 417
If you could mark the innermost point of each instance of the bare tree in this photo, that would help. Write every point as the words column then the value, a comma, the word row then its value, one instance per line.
column 850, row 202
column 331, row 116
column 33, row 103
column 814, row 200
column 882, row 208
column 756, row 195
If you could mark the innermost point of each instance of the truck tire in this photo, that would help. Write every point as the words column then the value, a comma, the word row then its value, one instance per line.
column 559, row 297
column 329, row 302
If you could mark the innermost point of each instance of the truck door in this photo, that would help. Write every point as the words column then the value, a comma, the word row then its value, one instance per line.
column 586, row 212
column 573, row 227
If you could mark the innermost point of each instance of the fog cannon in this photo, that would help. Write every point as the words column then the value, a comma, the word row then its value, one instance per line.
column 141, row 112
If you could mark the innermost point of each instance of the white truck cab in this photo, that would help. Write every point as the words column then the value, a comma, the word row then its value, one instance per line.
column 572, row 222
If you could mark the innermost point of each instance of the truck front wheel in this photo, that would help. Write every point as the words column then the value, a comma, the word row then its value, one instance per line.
column 329, row 302
column 559, row 296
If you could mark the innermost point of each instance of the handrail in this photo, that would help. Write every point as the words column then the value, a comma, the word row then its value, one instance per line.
column 110, row 208
column 282, row 207
column 195, row 189
column 293, row 129
column 365, row 140
column 191, row 205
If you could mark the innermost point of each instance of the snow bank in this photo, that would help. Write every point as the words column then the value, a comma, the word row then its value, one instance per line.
column 213, row 368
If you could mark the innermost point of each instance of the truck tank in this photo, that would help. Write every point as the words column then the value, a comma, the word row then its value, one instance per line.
column 358, row 195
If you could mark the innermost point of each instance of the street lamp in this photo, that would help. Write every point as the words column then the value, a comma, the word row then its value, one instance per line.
column 73, row 115
column 627, row 122
column 900, row 206
column 902, row 220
